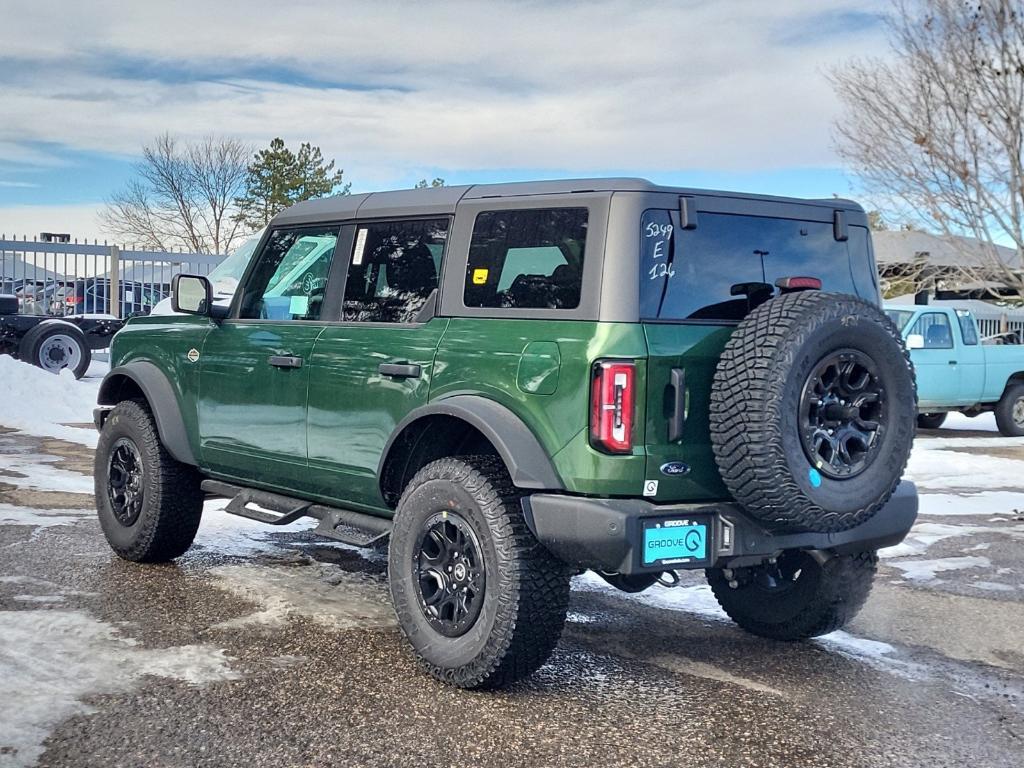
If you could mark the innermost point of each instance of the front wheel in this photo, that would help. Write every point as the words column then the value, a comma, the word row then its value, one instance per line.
column 798, row 596
column 1010, row 411
column 149, row 504
column 480, row 600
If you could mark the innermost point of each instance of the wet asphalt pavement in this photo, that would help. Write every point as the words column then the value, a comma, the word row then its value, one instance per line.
column 263, row 648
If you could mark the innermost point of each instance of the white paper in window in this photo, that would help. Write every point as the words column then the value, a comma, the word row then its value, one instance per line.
column 357, row 257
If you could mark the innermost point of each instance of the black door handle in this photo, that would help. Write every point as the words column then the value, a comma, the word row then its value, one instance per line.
column 285, row 361
column 399, row 370
column 952, row 362
column 677, row 418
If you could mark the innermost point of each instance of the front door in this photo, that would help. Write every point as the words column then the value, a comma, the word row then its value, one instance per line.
column 255, row 366
column 374, row 367
column 936, row 363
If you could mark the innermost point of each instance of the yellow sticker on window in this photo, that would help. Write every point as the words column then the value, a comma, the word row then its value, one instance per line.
column 480, row 276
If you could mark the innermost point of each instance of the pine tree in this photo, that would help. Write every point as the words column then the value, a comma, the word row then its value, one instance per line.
column 278, row 178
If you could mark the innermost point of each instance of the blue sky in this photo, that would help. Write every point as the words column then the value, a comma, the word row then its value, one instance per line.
column 730, row 94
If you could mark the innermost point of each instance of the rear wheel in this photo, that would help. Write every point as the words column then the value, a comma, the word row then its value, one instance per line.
column 149, row 504
column 54, row 345
column 480, row 600
column 930, row 420
column 796, row 597
column 1010, row 411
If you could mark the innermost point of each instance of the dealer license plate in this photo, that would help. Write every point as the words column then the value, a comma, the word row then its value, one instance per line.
column 676, row 541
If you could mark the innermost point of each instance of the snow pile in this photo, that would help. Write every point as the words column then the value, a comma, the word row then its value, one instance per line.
column 42, row 404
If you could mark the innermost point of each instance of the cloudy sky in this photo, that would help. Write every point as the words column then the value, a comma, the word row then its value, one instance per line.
column 714, row 93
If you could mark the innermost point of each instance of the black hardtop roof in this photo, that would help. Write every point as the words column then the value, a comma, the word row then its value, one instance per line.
column 443, row 200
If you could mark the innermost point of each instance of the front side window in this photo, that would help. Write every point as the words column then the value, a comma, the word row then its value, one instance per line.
column 527, row 259
column 900, row 317
column 967, row 328
column 290, row 277
column 394, row 270
column 934, row 328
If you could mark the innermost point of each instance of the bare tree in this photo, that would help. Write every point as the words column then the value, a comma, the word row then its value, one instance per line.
column 937, row 130
column 182, row 196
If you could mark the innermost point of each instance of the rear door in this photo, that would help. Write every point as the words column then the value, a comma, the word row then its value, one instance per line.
column 696, row 284
column 255, row 368
column 374, row 367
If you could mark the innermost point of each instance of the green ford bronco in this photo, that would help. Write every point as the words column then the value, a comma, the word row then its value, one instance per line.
column 512, row 383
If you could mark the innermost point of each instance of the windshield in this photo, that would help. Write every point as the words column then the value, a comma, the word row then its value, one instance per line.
column 225, row 276
column 900, row 317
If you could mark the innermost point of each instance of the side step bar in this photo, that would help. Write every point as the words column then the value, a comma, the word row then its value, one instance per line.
column 356, row 528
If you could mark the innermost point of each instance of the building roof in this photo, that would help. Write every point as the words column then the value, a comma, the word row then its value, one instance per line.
column 908, row 246
column 445, row 199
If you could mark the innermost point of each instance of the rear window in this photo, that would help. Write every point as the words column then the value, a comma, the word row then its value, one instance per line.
column 527, row 259
column 728, row 264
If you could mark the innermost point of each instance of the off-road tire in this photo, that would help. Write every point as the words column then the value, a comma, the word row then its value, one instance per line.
column 755, row 411
column 526, row 593
column 32, row 342
column 172, row 501
column 931, row 420
column 822, row 600
column 1011, row 399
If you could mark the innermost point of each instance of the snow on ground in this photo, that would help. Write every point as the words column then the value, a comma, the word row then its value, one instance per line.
column 45, row 682
column 43, row 404
column 926, row 570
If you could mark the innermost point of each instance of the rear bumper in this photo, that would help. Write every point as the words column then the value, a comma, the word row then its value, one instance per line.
column 607, row 534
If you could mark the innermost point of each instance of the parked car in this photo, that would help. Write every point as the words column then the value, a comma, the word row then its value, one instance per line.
column 511, row 383
column 957, row 372
column 91, row 295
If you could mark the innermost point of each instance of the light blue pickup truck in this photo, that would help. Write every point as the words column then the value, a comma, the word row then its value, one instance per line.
column 958, row 371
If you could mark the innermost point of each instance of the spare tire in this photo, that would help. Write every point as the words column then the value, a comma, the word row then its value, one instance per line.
column 813, row 411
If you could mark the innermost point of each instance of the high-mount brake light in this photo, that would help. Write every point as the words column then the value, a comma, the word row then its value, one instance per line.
column 612, row 400
column 798, row 283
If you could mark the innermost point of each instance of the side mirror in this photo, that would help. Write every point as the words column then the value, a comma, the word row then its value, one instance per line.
column 915, row 341
column 191, row 294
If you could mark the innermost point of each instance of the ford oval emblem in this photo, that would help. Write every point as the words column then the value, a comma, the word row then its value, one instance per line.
column 675, row 469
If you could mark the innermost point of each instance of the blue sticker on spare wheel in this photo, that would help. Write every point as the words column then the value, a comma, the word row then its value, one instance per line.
column 675, row 540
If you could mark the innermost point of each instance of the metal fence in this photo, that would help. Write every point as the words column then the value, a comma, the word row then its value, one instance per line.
column 59, row 279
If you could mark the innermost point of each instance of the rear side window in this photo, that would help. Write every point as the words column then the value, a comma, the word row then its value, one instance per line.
column 967, row 328
column 394, row 270
column 527, row 259
column 934, row 328
column 728, row 264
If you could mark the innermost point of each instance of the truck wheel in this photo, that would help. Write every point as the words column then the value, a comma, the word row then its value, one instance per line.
column 480, row 600
column 1010, row 411
column 931, row 420
column 54, row 345
column 149, row 504
column 796, row 597
column 812, row 412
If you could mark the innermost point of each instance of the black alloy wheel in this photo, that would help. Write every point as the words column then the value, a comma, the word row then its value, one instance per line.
column 841, row 414
column 450, row 577
column 125, row 481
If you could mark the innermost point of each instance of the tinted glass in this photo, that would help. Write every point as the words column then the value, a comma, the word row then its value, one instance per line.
column 967, row 328
column 529, row 259
column 290, row 276
column 729, row 264
column 934, row 327
column 394, row 270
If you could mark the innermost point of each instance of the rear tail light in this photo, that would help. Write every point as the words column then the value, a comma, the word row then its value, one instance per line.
column 612, row 400
column 73, row 299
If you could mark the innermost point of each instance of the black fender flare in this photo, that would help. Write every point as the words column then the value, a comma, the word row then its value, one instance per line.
column 163, row 403
column 528, row 463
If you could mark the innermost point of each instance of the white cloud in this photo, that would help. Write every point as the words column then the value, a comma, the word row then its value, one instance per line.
column 732, row 85
column 29, row 220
